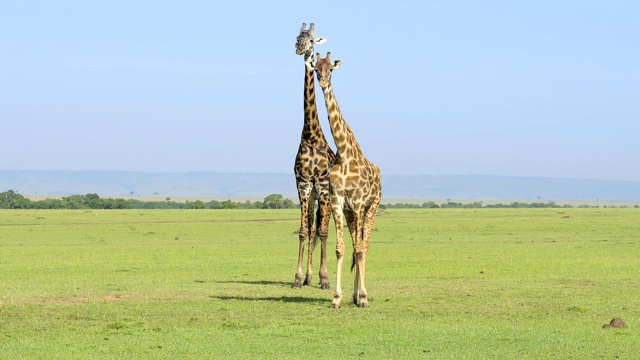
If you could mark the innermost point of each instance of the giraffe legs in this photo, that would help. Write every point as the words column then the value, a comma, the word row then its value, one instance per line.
column 306, row 221
column 338, row 219
column 360, row 257
column 312, row 230
column 360, row 226
column 312, row 240
column 360, row 247
column 319, row 231
column 302, row 238
column 359, row 291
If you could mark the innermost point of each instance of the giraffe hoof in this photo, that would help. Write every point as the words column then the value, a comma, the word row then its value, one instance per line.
column 335, row 306
column 296, row 284
column 364, row 304
column 324, row 286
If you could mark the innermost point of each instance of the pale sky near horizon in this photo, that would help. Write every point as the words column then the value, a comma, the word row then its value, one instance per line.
column 515, row 88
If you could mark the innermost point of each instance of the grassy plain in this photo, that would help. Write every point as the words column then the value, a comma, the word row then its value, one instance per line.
column 443, row 283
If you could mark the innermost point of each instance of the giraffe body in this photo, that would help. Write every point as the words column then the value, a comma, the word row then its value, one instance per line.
column 312, row 164
column 356, row 190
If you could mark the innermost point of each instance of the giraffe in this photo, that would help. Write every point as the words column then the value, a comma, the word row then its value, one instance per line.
column 356, row 190
column 311, row 169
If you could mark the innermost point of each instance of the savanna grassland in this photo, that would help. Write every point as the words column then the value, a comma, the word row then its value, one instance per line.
column 442, row 283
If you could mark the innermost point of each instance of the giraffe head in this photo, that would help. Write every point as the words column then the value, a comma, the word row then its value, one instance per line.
column 305, row 42
column 324, row 67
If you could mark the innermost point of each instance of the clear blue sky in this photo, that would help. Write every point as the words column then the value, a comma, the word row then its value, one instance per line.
column 516, row 88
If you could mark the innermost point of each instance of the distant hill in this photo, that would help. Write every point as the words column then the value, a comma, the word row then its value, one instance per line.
column 251, row 185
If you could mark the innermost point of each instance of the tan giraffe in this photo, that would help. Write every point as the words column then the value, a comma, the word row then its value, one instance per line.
column 312, row 165
column 356, row 190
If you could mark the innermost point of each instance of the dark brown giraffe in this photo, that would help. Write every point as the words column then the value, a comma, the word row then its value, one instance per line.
column 356, row 190
column 312, row 164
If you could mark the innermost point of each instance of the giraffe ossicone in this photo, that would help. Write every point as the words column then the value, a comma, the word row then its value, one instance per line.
column 305, row 42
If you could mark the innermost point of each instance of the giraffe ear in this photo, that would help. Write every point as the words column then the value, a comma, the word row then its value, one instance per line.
column 319, row 40
column 336, row 64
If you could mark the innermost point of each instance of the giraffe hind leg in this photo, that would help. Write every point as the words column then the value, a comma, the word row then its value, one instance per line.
column 324, row 212
column 359, row 292
column 361, row 255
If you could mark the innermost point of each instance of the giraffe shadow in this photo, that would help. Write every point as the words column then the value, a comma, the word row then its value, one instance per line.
column 280, row 284
column 282, row 299
column 248, row 282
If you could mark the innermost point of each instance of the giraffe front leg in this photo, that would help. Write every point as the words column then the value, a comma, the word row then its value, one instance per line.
column 311, row 247
column 337, row 296
column 297, row 282
column 351, row 223
column 337, row 217
column 302, row 237
column 312, row 239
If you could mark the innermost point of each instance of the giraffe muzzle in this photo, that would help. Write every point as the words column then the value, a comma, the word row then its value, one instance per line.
column 323, row 82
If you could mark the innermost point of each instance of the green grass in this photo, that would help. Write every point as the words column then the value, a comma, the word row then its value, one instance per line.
column 443, row 283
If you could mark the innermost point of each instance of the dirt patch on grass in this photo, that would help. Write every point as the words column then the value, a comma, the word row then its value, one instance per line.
column 93, row 299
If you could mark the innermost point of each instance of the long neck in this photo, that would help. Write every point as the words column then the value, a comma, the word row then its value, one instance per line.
column 346, row 144
column 311, row 131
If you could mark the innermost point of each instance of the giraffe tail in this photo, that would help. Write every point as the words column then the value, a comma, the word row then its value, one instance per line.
column 316, row 228
column 353, row 261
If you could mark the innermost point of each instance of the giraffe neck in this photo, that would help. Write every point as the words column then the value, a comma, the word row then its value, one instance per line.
column 346, row 144
column 311, row 131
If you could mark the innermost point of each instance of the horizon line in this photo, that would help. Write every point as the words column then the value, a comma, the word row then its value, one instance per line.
column 289, row 173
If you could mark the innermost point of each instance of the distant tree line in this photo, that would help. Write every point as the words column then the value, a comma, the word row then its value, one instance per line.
column 479, row 204
column 12, row 200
